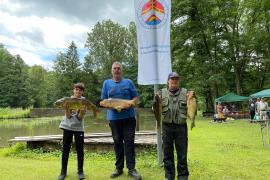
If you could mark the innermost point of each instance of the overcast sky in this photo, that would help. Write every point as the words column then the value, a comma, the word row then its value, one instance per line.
column 38, row 29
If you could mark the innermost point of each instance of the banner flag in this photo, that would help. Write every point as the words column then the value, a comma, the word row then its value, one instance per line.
column 153, row 36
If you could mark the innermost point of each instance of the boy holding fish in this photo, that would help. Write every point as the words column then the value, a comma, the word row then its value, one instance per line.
column 119, row 96
column 73, row 125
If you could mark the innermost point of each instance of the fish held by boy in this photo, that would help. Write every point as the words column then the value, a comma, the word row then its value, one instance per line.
column 117, row 104
column 73, row 103
column 192, row 107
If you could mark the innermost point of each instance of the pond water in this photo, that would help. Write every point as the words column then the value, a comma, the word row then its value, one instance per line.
column 10, row 128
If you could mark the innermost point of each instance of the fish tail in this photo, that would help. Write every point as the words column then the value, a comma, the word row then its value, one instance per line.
column 94, row 109
column 133, row 102
column 96, row 112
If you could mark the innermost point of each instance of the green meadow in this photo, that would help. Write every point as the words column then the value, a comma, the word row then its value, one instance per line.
column 230, row 150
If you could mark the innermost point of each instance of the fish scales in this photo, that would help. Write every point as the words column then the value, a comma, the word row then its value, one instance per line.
column 117, row 104
column 76, row 103
column 192, row 108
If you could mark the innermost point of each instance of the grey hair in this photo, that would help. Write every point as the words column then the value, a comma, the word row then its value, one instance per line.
column 118, row 63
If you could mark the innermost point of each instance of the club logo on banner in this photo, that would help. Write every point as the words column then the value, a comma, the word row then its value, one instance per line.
column 152, row 13
column 153, row 36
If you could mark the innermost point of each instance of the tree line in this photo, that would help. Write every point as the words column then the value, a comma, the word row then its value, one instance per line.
column 217, row 47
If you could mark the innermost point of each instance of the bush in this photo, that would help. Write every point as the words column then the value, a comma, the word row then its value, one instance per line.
column 14, row 113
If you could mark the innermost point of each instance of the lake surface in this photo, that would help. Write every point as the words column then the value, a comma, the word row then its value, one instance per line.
column 10, row 128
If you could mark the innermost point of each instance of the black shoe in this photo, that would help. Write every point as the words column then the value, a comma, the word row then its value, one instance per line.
column 116, row 173
column 133, row 173
column 81, row 176
column 62, row 176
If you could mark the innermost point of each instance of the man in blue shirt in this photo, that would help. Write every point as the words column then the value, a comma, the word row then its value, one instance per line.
column 122, row 123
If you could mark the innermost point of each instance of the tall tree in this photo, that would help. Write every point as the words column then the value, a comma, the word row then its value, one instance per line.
column 92, row 85
column 196, row 30
column 258, row 29
column 38, row 88
column 14, row 90
column 218, row 45
column 51, row 88
column 21, row 87
column 6, row 72
column 67, row 69
column 106, row 43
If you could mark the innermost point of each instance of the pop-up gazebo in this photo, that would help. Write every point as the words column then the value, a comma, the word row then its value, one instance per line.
column 231, row 97
column 263, row 93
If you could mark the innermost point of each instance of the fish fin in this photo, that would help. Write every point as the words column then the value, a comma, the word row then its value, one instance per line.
column 118, row 108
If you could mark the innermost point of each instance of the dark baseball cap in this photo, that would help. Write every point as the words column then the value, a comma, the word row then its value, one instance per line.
column 173, row 74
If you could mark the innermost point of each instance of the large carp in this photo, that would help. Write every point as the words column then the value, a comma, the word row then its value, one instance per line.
column 73, row 103
column 192, row 107
column 117, row 104
column 157, row 108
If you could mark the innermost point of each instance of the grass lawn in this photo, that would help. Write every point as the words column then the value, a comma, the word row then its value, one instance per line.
column 230, row 150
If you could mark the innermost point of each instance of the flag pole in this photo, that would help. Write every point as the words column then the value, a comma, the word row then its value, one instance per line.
column 154, row 50
column 159, row 141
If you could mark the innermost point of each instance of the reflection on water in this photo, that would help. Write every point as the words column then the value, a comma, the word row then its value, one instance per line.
column 49, row 126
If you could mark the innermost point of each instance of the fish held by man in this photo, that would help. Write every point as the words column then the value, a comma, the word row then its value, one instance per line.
column 117, row 104
column 77, row 104
column 192, row 107
column 157, row 109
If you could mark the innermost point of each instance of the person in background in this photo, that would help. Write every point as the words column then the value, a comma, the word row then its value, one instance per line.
column 219, row 110
column 73, row 125
column 263, row 106
column 219, row 107
column 257, row 109
column 122, row 123
column 251, row 108
column 225, row 111
column 233, row 110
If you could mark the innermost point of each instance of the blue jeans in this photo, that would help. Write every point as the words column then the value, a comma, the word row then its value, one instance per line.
column 123, row 133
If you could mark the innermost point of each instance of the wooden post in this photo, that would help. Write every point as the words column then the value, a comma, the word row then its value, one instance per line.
column 137, row 119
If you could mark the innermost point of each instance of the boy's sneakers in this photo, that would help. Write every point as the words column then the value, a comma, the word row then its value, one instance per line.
column 62, row 176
